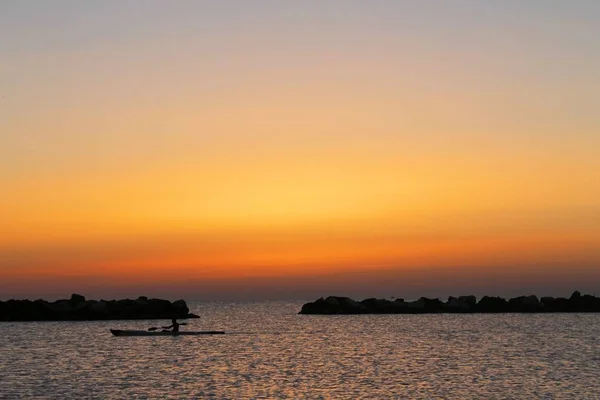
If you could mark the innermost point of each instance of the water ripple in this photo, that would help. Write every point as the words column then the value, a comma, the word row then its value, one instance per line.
column 271, row 352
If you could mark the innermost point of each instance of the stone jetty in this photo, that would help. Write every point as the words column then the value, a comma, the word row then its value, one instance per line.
column 77, row 308
column 462, row 304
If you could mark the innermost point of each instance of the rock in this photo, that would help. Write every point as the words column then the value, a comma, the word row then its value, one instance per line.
column 11, row 310
column 315, row 307
column 415, row 306
column 531, row 301
column 344, row 305
column 180, row 305
column 432, row 305
column 583, row 303
column 379, row 306
column 548, row 302
column 99, row 307
column 470, row 300
column 141, row 301
column 332, row 301
column 61, row 306
column 588, row 303
column 560, row 304
column 77, row 298
column 351, row 306
column 575, row 296
column 334, row 305
column 492, row 305
column 525, row 304
column 456, row 305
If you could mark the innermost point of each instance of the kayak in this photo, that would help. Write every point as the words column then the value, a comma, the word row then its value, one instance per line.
column 119, row 332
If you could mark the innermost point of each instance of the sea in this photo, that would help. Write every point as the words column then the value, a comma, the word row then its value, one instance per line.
column 269, row 351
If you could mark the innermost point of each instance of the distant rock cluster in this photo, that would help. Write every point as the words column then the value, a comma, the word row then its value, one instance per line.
column 462, row 304
column 77, row 308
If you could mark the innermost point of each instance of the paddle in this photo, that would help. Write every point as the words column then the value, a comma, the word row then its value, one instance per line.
column 162, row 327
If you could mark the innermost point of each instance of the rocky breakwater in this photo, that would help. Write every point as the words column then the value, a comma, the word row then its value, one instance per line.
column 462, row 304
column 77, row 308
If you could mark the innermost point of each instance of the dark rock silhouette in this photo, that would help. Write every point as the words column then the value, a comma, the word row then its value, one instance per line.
column 336, row 305
column 77, row 308
column 462, row 304
column 526, row 303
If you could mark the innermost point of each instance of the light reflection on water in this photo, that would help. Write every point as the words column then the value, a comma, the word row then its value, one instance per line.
column 271, row 352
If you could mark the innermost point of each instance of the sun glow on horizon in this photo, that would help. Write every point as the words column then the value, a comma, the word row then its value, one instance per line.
column 206, row 143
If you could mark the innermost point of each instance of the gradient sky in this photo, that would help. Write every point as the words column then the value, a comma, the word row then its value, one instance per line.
column 293, row 149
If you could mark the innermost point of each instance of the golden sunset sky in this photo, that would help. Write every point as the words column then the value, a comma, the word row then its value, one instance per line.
column 293, row 149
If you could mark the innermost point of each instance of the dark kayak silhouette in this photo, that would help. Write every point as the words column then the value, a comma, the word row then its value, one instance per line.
column 171, row 330
column 122, row 332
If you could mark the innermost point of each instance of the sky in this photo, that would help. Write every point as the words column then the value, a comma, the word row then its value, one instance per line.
column 297, row 149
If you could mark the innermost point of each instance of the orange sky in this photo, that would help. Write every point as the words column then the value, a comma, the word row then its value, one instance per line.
column 184, row 157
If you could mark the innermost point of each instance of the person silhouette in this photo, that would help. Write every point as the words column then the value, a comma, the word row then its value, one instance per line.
column 174, row 327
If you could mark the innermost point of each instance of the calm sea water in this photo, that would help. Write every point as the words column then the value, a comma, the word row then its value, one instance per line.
column 271, row 352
